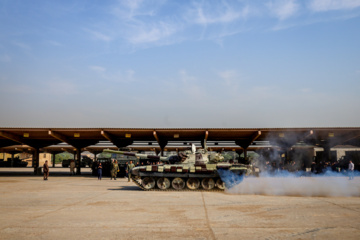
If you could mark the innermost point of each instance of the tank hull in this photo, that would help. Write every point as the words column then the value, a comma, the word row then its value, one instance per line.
column 185, row 177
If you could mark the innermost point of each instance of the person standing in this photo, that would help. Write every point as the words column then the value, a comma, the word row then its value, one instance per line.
column 46, row 170
column 126, row 167
column 128, row 170
column 99, row 171
column 114, row 170
column 72, row 167
column 351, row 170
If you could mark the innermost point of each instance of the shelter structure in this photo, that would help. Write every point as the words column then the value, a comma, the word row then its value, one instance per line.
column 76, row 140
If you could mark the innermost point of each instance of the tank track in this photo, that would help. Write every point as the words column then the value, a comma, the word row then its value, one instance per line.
column 185, row 189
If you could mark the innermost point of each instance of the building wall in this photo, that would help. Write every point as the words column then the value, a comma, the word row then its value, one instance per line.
column 340, row 151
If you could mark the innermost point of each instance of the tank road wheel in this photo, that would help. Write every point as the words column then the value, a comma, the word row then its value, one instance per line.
column 148, row 183
column 193, row 183
column 178, row 183
column 208, row 183
column 163, row 183
column 220, row 184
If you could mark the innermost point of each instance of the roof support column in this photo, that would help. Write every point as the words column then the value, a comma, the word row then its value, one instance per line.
column 78, row 159
column 246, row 160
column 203, row 142
column 239, row 152
column 327, row 155
column 287, row 154
column 95, row 154
column 12, row 159
column 53, row 159
column 162, row 147
column 245, row 143
column 162, row 143
column 117, row 142
column 35, row 160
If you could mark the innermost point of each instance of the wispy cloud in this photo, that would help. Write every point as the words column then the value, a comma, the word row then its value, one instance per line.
column 141, row 23
column 22, row 45
column 328, row 5
column 54, row 43
column 113, row 76
column 149, row 23
column 97, row 69
column 186, row 78
column 130, row 10
column 99, row 35
column 283, row 9
column 216, row 13
column 147, row 33
column 229, row 77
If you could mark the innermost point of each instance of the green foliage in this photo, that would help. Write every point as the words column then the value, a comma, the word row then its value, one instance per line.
column 61, row 156
column 230, row 156
column 252, row 156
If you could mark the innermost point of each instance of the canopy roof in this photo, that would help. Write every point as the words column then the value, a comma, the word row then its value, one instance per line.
column 96, row 139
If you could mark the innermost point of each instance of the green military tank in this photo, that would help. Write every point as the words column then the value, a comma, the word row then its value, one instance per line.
column 192, row 170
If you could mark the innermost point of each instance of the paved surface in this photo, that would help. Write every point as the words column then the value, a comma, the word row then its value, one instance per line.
column 81, row 207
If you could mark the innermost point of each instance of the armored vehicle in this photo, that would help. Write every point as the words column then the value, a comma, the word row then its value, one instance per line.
column 189, row 170
column 16, row 162
column 66, row 162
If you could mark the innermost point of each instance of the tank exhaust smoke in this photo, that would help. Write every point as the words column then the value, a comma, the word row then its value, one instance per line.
column 293, row 184
column 291, row 180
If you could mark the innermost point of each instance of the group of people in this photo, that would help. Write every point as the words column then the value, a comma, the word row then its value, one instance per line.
column 115, row 169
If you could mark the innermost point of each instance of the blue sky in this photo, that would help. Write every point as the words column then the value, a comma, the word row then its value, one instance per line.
column 241, row 64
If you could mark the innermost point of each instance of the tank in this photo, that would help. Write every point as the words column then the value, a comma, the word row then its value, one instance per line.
column 16, row 162
column 194, row 170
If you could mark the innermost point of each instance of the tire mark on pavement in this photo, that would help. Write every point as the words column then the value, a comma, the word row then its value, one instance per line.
column 207, row 218
column 338, row 205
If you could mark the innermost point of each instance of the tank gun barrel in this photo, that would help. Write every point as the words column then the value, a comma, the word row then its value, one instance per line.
column 137, row 155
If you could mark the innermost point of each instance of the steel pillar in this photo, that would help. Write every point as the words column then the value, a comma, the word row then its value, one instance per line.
column 53, row 159
column 35, row 159
column 78, row 156
column 327, row 155
column 12, row 160
column 246, row 156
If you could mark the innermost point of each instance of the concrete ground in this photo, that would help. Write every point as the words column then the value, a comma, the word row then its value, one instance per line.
column 81, row 207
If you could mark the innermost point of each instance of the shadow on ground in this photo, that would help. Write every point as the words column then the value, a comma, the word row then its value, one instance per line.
column 126, row 188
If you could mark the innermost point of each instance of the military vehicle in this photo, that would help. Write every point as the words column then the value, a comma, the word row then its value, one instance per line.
column 66, row 162
column 189, row 170
column 16, row 162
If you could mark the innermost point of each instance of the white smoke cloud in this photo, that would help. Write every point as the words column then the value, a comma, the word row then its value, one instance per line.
column 291, row 184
